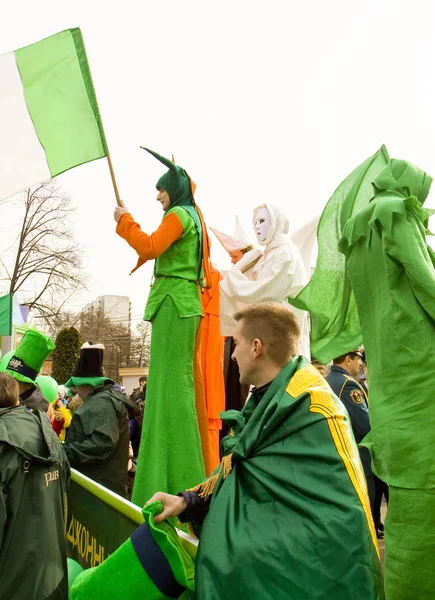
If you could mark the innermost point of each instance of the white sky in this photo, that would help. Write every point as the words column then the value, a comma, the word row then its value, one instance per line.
column 259, row 101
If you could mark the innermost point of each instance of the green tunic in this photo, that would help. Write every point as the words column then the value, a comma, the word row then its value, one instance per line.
column 292, row 519
column 391, row 269
column 176, row 272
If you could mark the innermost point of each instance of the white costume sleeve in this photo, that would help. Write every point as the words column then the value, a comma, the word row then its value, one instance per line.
column 271, row 285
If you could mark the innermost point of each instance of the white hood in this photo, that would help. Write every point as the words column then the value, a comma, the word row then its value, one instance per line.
column 279, row 223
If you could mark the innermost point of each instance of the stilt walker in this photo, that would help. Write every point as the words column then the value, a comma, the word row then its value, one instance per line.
column 174, row 448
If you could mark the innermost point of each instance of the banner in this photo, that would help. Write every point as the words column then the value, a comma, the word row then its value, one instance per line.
column 99, row 521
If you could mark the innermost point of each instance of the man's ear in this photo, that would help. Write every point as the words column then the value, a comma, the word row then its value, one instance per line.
column 258, row 348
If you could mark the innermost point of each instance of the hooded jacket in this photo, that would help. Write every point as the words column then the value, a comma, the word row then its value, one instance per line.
column 34, row 399
column 34, row 473
column 273, row 276
column 98, row 437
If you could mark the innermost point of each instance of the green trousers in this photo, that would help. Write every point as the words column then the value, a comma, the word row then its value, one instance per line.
column 170, row 455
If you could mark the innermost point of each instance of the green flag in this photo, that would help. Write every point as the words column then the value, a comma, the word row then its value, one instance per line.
column 6, row 315
column 335, row 327
column 49, row 116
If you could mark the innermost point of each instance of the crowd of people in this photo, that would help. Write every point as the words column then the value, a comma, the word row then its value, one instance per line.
column 287, row 505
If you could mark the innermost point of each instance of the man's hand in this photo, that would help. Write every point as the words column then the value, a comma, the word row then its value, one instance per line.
column 119, row 211
column 172, row 506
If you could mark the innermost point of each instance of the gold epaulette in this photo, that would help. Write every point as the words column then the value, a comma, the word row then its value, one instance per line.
column 207, row 487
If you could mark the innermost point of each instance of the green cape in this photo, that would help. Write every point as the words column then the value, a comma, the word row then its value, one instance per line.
column 292, row 518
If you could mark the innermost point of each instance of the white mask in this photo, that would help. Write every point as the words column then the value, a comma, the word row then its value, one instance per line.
column 262, row 224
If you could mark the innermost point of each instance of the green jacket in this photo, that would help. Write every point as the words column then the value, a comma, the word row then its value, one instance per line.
column 34, row 474
column 291, row 521
column 98, row 437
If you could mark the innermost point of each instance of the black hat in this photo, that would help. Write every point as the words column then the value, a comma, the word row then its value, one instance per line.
column 89, row 366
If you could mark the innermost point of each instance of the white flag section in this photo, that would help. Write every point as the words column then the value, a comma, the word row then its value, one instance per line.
column 49, row 117
column 305, row 238
column 22, row 158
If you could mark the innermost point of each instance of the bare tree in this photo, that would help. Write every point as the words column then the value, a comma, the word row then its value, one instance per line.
column 47, row 259
column 95, row 327
column 122, row 347
column 140, row 345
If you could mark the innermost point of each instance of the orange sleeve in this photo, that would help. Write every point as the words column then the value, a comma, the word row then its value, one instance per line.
column 150, row 246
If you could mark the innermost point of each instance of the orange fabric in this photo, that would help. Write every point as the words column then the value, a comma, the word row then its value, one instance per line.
column 212, row 358
column 206, row 263
column 213, row 438
column 151, row 246
column 201, row 410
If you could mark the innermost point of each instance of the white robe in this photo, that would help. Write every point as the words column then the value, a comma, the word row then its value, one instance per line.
column 271, row 276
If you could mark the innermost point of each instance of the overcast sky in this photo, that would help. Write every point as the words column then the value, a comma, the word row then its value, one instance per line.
column 271, row 101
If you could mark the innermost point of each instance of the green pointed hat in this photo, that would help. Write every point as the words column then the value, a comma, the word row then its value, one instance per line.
column 175, row 181
column 29, row 356
column 180, row 190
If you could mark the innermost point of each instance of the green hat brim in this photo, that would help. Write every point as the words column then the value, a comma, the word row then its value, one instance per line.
column 21, row 378
column 94, row 381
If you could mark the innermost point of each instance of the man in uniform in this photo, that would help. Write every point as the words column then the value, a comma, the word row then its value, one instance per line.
column 343, row 382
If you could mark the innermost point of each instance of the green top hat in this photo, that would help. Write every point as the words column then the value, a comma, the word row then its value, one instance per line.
column 29, row 356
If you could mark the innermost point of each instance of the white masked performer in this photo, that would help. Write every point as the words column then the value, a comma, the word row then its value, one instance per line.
column 272, row 276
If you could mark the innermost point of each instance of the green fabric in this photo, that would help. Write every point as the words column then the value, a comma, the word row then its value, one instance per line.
column 170, row 454
column 33, row 478
column 409, row 569
column 122, row 575
column 335, row 328
column 178, row 185
column 175, row 273
column 287, row 522
column 33, row 349
column 6, row 315
column 165, row 535
column 61, row 99
column 391, row 269
column 94, row 381
column 98, row 437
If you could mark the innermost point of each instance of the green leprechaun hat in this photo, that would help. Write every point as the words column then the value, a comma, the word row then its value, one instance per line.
column 151, row 564
column 29, row 356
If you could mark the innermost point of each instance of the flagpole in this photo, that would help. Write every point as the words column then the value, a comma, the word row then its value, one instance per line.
column 115, row 186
